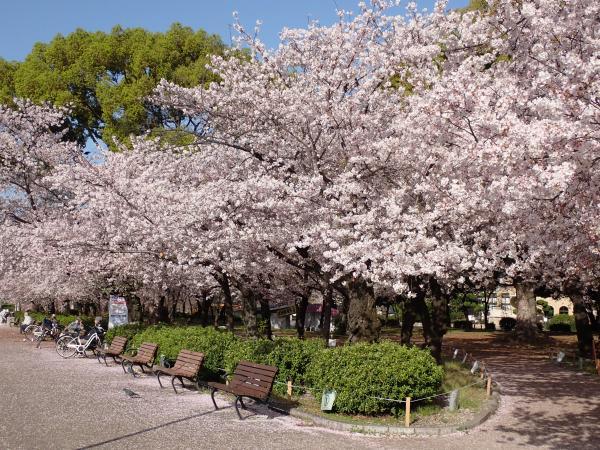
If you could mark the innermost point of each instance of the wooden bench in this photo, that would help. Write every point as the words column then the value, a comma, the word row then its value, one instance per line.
column 187, row 365
column 144, row 357
column 249, row 380
column 116, row 350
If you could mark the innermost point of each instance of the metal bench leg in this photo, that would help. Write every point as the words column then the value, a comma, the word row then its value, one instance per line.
column 173, row 383
column 142, row 367
column 212, row 396
column 242, row 403
column 237, row 410
column 123, row 365
column 158, row 374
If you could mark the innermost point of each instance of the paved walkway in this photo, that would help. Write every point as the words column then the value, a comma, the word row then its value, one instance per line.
column 47, row 402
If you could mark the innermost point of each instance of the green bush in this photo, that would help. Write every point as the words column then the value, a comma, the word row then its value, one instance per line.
column 562, row 323
column 62, row 319
column 490, row 327
column 508, row 323
column 362, row 371
column 463, row 324
column 129, row 331
column 171, row 340
column 290, row 355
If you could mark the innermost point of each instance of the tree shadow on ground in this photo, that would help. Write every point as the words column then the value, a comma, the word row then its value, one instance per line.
column 550, row 405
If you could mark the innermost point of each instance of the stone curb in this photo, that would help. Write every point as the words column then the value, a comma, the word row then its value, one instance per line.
column 488, row 409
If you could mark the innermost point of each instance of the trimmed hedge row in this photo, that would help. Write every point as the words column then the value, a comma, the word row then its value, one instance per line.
column 360, row 372
column 62, row 319
column 357, row 372
column 562, row 323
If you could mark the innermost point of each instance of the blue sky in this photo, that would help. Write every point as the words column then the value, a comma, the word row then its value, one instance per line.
column 25, row 22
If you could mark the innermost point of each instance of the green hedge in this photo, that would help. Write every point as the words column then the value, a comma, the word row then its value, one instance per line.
column 292, row 356
column 62, row 319
column 360, row 372
column 562, row 323
column 508, row 323
column 213, row 343
column 129, row 331
column 356, row 372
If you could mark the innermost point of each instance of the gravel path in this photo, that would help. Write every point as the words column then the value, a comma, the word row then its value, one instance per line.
column 47, row 402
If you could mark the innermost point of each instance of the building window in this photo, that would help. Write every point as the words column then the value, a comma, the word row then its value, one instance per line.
column 563, row 310
column 505, row 301
column 492, row 303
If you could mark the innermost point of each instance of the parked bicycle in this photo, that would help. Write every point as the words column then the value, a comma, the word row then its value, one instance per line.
column 48, row 329
column 68, row 346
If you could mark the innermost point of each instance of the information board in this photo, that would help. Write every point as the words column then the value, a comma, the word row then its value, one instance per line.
column 117, row 311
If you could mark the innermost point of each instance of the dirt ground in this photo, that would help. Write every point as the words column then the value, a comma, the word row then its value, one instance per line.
column 48, row 402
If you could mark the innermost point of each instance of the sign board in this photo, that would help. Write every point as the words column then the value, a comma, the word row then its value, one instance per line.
column 288, row 311
column 327, row 399
column 117, row 311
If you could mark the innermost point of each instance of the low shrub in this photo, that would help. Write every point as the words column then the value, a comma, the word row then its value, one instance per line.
column 290, row 355
column 463, row 325
column 62, row 319
column 490, row 327
column 562, row 323
column 213, row 343
column 129, row 331
column 508, row 323
column 360, row 372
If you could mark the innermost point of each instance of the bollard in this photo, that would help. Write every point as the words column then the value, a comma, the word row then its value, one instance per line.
column 407, row 415
column 489, row 386
column 453, row 400
column 289, row 389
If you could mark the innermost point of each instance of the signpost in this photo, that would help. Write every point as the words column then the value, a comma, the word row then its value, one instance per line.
column 117, row 311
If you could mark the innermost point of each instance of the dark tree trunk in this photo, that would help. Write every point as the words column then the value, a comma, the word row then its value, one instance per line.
column 205, row 311
column 265, row 313
column 160, row 313
column 301, row 306
column 526, row 329
column 439, row 313
column 584, row 329
column 343, row 311
column 486, row 308
column 227, row 310
column 135, row 309
column 408, row 321
column 249, row 311
column 363, row 323
column 326, row 310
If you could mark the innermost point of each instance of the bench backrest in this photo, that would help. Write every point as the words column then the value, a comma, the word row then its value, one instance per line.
column 146, row 352
column 189, row 363
column 256, row 379
column 118, row 344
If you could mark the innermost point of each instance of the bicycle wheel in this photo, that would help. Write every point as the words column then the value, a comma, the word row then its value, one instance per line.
column 66, row 346
column 30, row 332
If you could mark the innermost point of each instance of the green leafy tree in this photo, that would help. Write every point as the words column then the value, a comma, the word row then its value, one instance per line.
column 107, row 77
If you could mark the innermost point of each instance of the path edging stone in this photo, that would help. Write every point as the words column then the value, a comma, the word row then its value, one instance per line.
column 489, row 408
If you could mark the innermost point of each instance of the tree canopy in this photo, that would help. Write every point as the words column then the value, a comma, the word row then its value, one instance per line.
column 105, row 78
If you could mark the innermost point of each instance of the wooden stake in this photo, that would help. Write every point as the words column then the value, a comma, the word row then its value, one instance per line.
column 482, row 370
column 489, row 386
column 407, row 415
column 289, row 390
